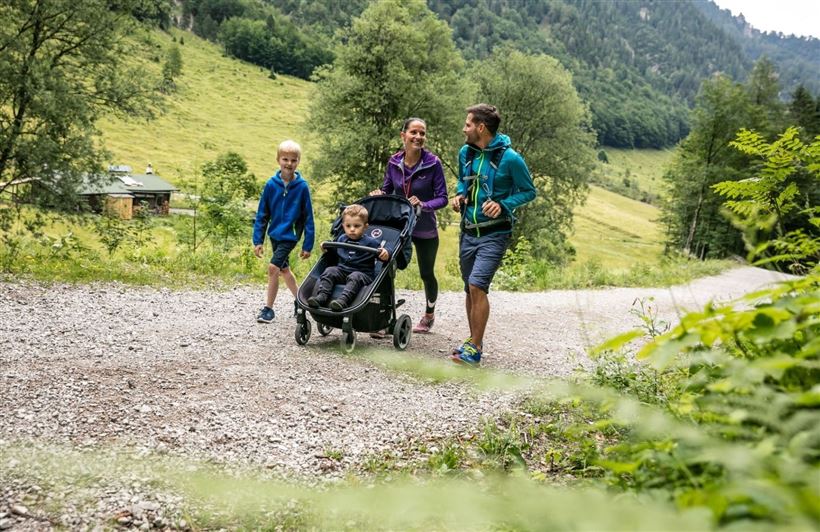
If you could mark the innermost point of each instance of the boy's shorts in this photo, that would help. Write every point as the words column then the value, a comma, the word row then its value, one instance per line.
column 480, row 258
column 281, row 252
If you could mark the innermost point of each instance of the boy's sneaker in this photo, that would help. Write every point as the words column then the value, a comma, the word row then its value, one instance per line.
column 317, row 301
column 469, row 356
column 425, row 324
column 265, row 315
column 337, row 305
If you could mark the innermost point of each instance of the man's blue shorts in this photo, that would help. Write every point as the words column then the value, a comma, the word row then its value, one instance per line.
column 480, row 257
column 281, row 252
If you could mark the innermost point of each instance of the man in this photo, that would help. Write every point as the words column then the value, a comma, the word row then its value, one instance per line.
column 493, row 180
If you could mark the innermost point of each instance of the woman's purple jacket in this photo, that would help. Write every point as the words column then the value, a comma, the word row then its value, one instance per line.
column 425, row 181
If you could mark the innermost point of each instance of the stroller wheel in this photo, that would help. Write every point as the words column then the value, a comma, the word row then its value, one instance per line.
column 302, row 334
column 323, row 329
column 402, row 331
column 348, row 341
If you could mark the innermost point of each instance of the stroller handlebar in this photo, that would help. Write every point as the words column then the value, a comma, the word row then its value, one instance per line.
column 329, row 244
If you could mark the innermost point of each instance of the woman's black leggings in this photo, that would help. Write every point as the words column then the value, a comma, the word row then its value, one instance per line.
column 426, row 251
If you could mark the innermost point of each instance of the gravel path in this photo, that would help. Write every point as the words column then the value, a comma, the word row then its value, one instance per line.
column 191, row 372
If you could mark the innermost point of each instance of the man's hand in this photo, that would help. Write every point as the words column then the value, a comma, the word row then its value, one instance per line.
column 322, row 247
column 257, row 250
column 457, row 202
column 491, row 208
column 304, row 254
column 383, row 254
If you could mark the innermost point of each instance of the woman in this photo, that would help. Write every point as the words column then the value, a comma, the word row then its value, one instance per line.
column 416, row 173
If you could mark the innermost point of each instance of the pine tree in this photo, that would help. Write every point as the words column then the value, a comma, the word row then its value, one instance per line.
column 803, row 111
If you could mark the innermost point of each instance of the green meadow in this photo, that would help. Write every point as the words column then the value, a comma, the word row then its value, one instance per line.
column 616, row 231
column 221, row 104
column 643, row 167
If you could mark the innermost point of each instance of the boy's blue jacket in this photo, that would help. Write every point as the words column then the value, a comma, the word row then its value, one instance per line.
column 510, row 185
column 285, row 210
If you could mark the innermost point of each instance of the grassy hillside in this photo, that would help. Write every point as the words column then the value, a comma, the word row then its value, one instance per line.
column 636, row 174
column 616, row 231
column 221, row 104
column 642, row 167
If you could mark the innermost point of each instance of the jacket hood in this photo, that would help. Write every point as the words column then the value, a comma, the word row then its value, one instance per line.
column 296, row 181
column 500, row 140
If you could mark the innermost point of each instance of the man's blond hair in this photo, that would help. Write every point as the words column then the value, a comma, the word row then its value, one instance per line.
column 355, row 211
column 289, row 146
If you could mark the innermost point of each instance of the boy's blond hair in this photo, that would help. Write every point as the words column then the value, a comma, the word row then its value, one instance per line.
column 355, row 211
column 289, row 146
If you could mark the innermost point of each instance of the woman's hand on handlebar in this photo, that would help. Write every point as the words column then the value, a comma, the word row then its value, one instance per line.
column 377, row 192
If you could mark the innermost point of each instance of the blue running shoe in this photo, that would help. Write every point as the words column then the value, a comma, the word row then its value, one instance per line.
column 265, row 315
column 460, row 349
column 469, row 356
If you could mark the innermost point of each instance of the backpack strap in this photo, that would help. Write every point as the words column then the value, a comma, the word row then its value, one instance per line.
column 495, row 161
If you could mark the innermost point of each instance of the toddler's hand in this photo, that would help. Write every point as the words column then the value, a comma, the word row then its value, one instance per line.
column 383, row 254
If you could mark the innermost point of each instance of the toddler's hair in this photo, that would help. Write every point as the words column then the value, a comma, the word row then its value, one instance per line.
column 355, row 211
column 289, row 146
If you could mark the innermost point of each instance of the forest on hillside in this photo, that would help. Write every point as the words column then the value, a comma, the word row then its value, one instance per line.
column 656, row 52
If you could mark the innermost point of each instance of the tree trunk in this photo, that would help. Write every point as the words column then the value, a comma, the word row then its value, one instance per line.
column 693, row 226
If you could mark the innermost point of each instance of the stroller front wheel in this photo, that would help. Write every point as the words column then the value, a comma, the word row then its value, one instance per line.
column 323, row 329
column 302, row 333
column 348, row 340
column 402, row 331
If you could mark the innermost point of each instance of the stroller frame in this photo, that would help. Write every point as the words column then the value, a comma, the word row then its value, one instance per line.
column 391, row 221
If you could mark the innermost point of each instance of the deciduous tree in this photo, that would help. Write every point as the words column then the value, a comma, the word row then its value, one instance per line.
column 398, row 61
column 549, row 126
column 227, row 185
column 692, row 212
column 62, row 66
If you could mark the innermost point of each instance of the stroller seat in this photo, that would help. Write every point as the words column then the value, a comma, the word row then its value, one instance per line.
column 389, row 237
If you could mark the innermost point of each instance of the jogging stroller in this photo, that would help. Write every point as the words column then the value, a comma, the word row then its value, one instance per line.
column 390, row 220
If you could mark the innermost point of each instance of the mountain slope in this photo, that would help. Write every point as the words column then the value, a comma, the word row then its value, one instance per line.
column 797, row 58
column 222, row 104
column 639, row 64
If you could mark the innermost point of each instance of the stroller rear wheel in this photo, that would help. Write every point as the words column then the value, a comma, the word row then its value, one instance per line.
column 402, row 331
column 323, row 329
column 302, row 333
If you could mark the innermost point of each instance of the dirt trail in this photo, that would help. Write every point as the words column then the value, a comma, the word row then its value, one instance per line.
column 191, row 372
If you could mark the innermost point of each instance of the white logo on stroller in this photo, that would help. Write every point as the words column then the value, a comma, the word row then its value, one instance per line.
column 376, row 232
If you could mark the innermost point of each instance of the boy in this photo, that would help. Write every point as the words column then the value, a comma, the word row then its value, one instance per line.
column 284, row 211
column 355, row 268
